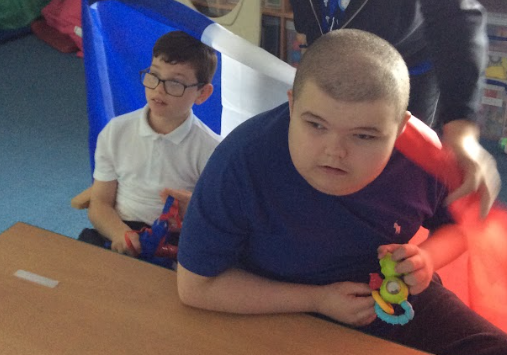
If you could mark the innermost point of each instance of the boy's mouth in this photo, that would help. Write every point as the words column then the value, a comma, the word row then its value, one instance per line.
column 158, row 102
column 333, row 170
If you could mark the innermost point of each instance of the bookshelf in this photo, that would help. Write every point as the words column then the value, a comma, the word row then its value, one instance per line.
column 493, row 112
column 277, row 31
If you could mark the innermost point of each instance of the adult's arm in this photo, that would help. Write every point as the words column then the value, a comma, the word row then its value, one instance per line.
column 479, row 168
column 457, row 40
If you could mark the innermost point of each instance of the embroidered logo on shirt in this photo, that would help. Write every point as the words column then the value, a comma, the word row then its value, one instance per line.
column 397, row 228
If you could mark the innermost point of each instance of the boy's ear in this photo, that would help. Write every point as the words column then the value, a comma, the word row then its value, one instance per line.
column 290, row 95
column 404, row 121
column 206, row 92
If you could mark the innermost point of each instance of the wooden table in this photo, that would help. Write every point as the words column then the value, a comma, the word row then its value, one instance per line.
column 106, row 303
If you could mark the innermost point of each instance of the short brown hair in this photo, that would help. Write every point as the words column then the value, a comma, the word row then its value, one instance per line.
column 180, row 47
column 354, row 65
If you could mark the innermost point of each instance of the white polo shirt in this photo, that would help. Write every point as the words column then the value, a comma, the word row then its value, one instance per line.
column 145, row 162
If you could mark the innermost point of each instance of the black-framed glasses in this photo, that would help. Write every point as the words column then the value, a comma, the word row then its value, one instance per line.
column 171, row 87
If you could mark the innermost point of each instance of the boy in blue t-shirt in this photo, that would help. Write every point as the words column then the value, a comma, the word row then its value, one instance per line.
column 296, row 206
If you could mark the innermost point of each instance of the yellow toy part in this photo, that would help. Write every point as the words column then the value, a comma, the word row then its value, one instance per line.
column 386, row 307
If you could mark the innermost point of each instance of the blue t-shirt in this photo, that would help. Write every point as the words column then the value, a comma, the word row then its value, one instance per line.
column 251, row 209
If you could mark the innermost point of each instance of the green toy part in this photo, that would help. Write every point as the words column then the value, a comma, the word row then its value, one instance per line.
column 387, row 266
column 393, row 289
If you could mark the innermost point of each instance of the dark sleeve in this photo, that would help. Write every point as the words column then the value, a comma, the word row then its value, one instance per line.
column 457, row 40
column 303, row 15
column 441, row 214
column 215, row 226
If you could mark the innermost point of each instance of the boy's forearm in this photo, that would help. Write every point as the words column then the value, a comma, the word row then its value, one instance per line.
column 237, row 291
column 106, row 220
column 445, row 245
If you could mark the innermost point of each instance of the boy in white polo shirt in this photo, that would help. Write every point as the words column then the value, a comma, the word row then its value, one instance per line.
column 163, row 145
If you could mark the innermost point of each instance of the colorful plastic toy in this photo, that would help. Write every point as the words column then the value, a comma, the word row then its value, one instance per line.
column 157, row 245
column 392, row 291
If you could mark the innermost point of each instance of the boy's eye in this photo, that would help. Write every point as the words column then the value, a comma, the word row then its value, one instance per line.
column 365, row 136
column 315, row 125
column 173, row 83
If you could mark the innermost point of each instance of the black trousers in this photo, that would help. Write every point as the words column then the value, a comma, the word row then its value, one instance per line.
column 443, row 325
column 92, row 236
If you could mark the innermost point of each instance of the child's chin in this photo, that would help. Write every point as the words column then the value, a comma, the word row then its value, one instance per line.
column 339, row 189
column 158, row 110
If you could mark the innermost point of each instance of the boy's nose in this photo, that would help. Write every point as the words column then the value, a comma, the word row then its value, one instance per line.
column 336, row 148
column 160, row 87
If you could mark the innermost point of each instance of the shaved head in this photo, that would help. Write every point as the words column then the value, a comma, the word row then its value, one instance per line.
column 355, row 66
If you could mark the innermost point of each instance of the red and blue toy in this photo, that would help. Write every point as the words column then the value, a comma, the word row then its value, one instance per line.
column 158, row 245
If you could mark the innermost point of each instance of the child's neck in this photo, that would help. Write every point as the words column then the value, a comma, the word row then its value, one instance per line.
column 165, row 125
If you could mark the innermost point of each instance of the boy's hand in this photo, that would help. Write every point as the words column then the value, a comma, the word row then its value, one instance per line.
column 119, row 244
column 413, row 262
column 347, row 302
column 183, row 197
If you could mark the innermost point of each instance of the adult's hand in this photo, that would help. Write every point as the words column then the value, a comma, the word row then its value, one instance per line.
column 479, row 168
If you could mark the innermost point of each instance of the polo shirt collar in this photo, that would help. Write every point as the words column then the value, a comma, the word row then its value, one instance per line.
column 175, row 136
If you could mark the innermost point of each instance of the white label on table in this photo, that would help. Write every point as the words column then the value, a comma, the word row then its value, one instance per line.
column 38, row 279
